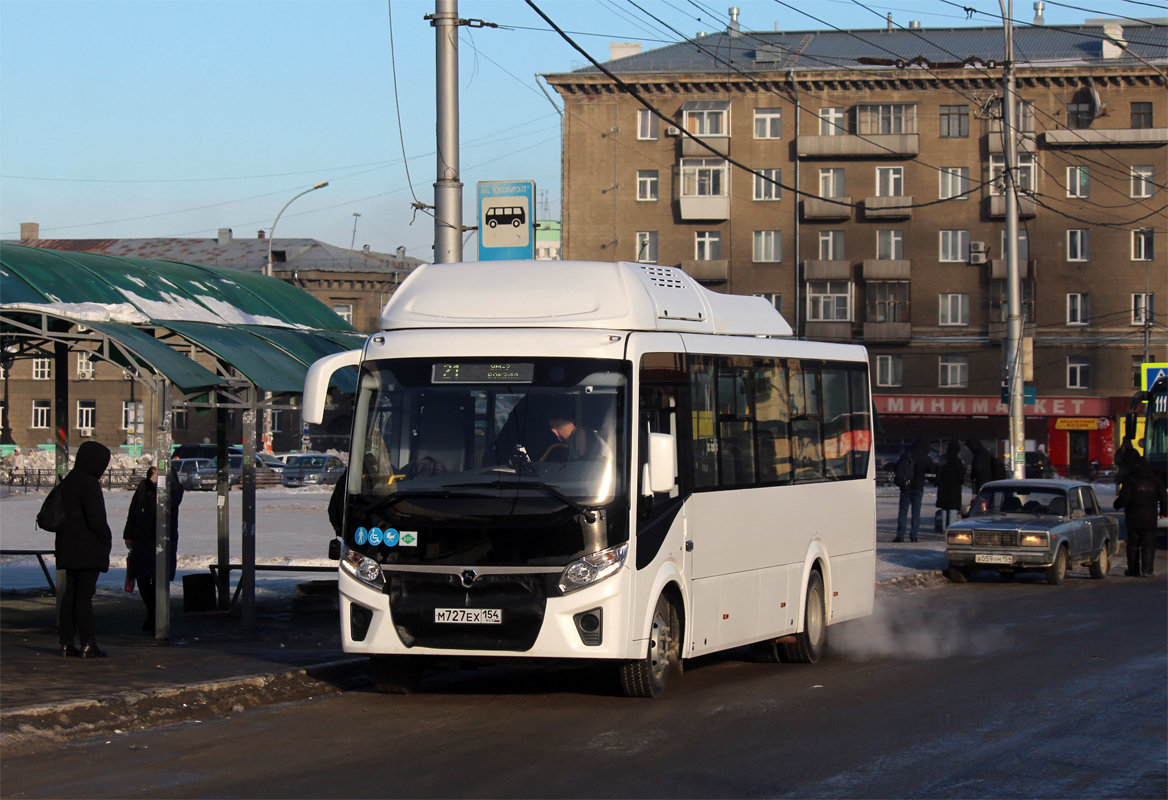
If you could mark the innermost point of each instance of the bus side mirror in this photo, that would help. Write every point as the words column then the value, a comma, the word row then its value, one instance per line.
column 316, row 383
column 662, row 463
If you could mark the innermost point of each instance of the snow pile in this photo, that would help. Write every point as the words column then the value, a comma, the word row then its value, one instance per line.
column 36, row 458
column 174, row 306
column 86, row 312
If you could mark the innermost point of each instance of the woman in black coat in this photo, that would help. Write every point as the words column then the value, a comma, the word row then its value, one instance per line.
column 950, row 480
column 82, row 548
column 140, row 537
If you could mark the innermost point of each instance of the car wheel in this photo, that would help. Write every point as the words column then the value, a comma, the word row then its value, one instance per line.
column 958, row 574
column 810, row 644
column 395, row 674
column 1057, row 572
column 1100, row 568
column 646, row 677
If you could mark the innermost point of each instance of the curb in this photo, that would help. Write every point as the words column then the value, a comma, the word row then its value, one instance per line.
column 126, row 710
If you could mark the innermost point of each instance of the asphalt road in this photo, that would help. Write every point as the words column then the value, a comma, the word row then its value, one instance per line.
column 983, row 690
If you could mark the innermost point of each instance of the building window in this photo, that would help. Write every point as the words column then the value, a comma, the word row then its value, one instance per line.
column 1023, row 245
column 768, row 246
column 133, row 414
column 705, row 123
column 887, row 301
column 1078, row 244
column 954, row 372
column 1079, row 372
column 1079, row 116
column 768, row 123
column 1000, row 301
column 832, row 122
column 955, row 309
column 703, row 177
column 1078, row 308
column 84, row 367
column 708, row 245
column 831, row 183
column 890, row 245
column 955, row 183
column 1078, row 182
column 181, row 420
column 774, row 298
column 647, row 247
column 889, row 371
column 1141, row 115
column 1141, row 181
column 1143, row 308
column 646, row 184
column 1023, row 116
column 886, row 118
column 86, row 414
column 648, row 124
column 344, row 311
column 954, row 122
column 42, row 369
column 889, row 181
column 1025, row 174
column 829, row 301
column 831, row 246
column 42, row 413
column 277, row 421
column 1141, row 248
column 766, row 184
column 955, row 246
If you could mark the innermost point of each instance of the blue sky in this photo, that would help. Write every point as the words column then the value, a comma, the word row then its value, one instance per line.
column 142, row 119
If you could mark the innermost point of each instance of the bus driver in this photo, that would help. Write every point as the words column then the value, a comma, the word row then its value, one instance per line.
column 582, row 442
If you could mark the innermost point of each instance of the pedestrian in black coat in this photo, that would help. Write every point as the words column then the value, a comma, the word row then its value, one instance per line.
column 336, row 507
column 1141, row 495
column 82, row 548
column 981, row 471
column 141, row 535
column 950, row 480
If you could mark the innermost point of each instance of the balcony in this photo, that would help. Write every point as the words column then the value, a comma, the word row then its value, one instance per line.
column 701, row 207
column 1027, row 143
column 888, row 207
column 1093, row 138
column 1026, row 206
column 707, row 271
column 827, row 270
column 886, row 269
column 887, row 332
column 870, row 145
column 817, row 208
column 829, row 331
column 1027, row 266
column 690, row 148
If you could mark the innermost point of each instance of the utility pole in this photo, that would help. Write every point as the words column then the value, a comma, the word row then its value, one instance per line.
column 353, row 241
column 1016, row 459
column 447, row 187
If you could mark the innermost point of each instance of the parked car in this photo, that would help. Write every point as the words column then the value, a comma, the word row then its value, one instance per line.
column 1032, row 526
column 271, row 462
column 313, row 468
column 204, row 451
column 207, row 477
column 187, row 469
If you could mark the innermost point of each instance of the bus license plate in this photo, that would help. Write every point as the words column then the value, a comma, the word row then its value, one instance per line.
column 983, row 558
column 469, row 616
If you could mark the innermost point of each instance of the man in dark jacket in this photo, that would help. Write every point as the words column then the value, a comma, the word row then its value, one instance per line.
column 336, row 507
column 981, row 471
column 141, row 535
column 913, row 493
column 1141, row 495
column 950, row 480
column 83, row 548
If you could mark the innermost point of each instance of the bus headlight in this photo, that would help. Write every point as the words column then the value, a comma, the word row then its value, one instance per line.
column 362, row 568
column 1034, row 540
column 960, row 537
column 592, row 568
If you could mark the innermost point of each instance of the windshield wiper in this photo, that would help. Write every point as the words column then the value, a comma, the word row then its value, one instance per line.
column 551, row 490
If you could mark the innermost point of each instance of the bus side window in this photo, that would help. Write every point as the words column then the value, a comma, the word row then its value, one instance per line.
column 861, row 421
column 702, row 410
column 772, row 403
column 806, row 422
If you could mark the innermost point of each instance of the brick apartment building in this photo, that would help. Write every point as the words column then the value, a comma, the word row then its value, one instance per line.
column 888, row 228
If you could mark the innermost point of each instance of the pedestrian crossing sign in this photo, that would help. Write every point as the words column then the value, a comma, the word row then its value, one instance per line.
column 1150, row 373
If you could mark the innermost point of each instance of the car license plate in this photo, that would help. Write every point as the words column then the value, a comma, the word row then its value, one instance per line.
column 984, row 558
column 469, row 616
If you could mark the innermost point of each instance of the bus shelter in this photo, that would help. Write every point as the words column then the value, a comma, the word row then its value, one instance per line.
column 205, row 338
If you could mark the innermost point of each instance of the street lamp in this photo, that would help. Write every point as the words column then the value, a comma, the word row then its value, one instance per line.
column 272, row 236
column 7, row 359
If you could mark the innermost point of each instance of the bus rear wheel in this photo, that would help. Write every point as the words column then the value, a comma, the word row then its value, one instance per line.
column 810, row 644
column 395, row 674
column 646, row 677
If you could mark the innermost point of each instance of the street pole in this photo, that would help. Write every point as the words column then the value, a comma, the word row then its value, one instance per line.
column 353, row 241
column 447, row 187
column 1015, row 458
column 163, row 535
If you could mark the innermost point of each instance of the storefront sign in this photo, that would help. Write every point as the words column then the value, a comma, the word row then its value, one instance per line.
column 1082, row 424
column 933, row 405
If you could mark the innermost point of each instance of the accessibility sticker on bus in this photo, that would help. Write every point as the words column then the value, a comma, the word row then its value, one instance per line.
column 361, row 536
column 391, row 537
column 375, row 537
column 408, row 539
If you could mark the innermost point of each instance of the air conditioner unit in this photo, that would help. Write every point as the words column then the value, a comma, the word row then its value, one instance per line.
column 977, row 258
column 673, row 130
column 86, row 433
column 977, row 247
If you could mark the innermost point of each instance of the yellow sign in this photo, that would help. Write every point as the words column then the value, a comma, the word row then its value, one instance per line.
column 1149, row 373
column 1076, row 424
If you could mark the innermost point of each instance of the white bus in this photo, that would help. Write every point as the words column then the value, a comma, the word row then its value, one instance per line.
column 605, row 461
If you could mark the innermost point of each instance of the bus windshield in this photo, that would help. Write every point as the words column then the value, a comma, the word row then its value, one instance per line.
column 494, row 463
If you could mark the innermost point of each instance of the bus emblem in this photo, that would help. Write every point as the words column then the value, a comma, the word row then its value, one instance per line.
column 469, row 576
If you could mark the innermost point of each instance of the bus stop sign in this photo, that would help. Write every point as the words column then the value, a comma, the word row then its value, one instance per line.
column 506, row 223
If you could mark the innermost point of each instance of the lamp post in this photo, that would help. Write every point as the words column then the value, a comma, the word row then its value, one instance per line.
column 7, row 359
column 272, row 237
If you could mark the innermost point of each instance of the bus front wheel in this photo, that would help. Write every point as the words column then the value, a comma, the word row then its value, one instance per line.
column 395, row 674
column 646, row 677
column 810, row 644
